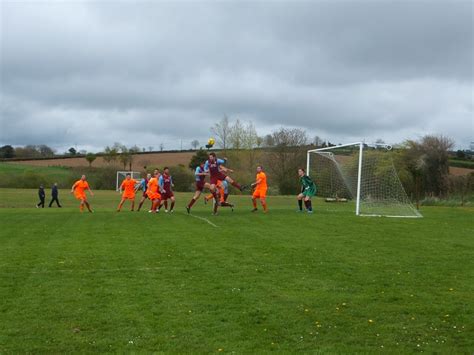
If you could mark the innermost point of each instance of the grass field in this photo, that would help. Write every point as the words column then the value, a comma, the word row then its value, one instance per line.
column 288, row 282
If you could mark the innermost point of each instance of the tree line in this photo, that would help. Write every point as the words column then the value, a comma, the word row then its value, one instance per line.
column 423, row 165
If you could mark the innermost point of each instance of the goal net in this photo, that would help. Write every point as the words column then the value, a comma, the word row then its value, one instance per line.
column 121, row 175
column 364, row 173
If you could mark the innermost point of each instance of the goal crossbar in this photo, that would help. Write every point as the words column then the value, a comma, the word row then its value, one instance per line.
column 134, row 174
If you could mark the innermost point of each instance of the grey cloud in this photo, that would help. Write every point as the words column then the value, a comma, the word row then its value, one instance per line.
column 166, row 71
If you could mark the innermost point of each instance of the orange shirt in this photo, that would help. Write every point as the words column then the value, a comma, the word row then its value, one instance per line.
column 262, row 185
column 128, row 186
column 153, row 184
column 80, row 187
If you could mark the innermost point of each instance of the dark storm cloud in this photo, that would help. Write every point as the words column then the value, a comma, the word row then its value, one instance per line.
column 156, row 72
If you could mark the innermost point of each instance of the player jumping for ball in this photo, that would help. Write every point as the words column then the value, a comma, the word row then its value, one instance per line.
column 218, row 172
column 308, row 190
column 78, row 189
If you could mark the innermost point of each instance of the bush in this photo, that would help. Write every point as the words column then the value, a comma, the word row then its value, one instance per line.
column 198, row 158
column 183, row 178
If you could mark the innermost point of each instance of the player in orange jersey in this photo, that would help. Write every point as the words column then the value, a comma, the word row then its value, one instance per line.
column 79, row 189
column 153, row 192
column 129, row 188
column 260, row 192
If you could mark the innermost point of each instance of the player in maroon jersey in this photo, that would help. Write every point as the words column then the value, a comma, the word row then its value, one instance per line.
column 143, row 187
column 166, row 188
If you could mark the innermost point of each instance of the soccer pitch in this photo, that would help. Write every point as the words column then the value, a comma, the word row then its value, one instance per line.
column 286, row 281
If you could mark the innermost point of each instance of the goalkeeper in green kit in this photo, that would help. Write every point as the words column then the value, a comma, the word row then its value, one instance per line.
column 308, row 190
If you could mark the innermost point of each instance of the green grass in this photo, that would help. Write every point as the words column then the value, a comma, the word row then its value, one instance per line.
column 288, row 282
column 27, row 176
column 48, row 173
column 461, row 163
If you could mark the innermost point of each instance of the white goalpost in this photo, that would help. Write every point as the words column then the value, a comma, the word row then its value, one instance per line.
column 121, row 176
column 361, row 172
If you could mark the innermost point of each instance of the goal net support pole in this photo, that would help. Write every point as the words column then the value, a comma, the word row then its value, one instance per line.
column 359, row 178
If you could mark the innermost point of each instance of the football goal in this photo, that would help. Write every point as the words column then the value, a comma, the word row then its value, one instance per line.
column 364, row 173
column 121, row 176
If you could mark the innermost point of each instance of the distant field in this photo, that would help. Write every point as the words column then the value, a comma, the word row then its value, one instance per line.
column 139, row 161
column 247, row 283
column 19, row 169
column 460, row 171
column 461, row 163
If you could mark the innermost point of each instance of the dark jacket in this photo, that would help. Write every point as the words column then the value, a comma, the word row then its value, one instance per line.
column 54, row 191
column 41, row 193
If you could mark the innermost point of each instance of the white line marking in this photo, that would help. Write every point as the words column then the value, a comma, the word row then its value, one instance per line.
column 201, row 218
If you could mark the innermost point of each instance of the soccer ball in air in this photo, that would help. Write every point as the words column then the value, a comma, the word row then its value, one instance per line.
column 211, row 142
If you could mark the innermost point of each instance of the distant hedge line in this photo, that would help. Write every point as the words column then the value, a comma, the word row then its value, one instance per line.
column 98, row 178
column 461, row 163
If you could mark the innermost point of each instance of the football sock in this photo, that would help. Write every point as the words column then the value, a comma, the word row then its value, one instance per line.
column 191, row 203
column 300, row 204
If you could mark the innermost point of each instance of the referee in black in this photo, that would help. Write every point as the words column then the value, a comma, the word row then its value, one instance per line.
column 54, row 195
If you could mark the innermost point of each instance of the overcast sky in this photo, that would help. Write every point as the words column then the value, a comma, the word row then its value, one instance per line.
column 91, row 73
